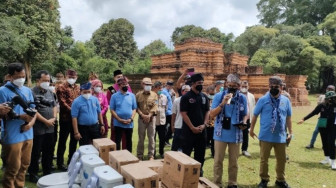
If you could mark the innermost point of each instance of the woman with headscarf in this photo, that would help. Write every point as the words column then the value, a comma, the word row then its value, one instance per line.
column 97, row 91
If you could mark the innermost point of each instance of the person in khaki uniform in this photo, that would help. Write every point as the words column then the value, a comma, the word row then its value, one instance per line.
column 147, row 107
column 160, row 116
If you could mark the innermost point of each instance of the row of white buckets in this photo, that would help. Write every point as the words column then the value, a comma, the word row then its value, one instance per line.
column 86, row 170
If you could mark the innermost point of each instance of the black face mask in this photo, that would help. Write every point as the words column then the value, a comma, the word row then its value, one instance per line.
column 199, row 88
column 232, row 90
column 274, row 91
column 125, row 88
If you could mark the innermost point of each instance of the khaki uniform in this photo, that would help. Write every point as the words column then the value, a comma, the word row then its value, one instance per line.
column 146, row 103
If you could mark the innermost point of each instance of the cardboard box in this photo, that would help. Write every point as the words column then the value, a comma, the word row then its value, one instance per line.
column 140, row 176
column 205, row 183
column 180, row 171
column 156, row 165
column 120, row 158
column 104, row 146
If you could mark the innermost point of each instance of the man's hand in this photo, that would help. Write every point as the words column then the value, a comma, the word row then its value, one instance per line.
column 289, row 138
column 252, row 134
column 196, row 130
column 4, row 109
column 77, row 136
column 128, row 121
column 102, row 130
column 226, row 98
column 300, row 122
column 51, row 122
column 26, row 117
column 172, row 128
column 26, row 127
column 146, row 118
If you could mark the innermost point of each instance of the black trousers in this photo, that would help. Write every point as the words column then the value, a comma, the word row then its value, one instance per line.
column 177, row 140
column 196, row 142
column 128, row 132
column 55, row 135
column 41, row 144
column 246, row 137
column 88, row 133
column 168, row 128
column 65, row 130
column 161, row 131
column 328, row 136
column 210, row 140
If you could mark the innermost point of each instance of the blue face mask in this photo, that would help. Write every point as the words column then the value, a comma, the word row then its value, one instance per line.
column 159, row 92
column 221, row 89
column 211, row 97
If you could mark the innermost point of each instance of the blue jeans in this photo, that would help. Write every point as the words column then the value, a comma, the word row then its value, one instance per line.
column 314, row 136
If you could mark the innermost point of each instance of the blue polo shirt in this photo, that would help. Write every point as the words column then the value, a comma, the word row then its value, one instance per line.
column 170, row 102
column 265, row 109
column 11, row 134
column 85, row 110
column 123, row 105
column 234, row 134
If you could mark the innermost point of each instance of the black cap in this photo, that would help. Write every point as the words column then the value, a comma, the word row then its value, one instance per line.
column 170, row 83
column 117, row 72
column 196, row 77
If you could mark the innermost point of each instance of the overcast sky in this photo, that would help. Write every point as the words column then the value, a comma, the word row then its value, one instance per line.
column 157, row 19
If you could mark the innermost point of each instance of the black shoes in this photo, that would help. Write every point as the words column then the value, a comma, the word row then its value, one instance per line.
column 263, row 184
column 282, row 184
column 33, row 178
column 232, row 186
column 62, row 168
column 309, row 146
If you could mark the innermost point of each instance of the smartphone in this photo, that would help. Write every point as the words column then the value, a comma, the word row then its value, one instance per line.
column 191, row 70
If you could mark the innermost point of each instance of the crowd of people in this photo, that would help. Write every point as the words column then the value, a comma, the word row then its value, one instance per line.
column 221, row 117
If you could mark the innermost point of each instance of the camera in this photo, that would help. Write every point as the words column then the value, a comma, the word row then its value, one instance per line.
column 41, row 102
column 18, row 101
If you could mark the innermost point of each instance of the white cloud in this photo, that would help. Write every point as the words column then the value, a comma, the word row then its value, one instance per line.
column 157, row 19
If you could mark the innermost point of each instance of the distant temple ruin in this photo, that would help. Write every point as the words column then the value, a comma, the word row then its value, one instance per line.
column 208, row 58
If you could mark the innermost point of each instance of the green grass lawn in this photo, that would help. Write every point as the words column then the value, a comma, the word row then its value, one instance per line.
column 302, row 170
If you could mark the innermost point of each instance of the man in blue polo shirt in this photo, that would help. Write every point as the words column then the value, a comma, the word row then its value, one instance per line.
column 123, row 108
column 17, row 138
column 275, row 111
column 85, row 113
column 166, row 92
column 230, row 109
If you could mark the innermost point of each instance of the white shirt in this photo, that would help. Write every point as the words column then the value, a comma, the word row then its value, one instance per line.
column 176, row 110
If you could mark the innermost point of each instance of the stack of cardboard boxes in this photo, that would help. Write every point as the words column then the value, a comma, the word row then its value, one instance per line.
column 104, row 146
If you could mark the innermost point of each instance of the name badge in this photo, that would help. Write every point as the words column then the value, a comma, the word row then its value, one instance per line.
column 203, row 100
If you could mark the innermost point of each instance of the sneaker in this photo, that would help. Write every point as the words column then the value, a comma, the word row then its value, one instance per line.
column 309, row 146
column 246, row 153
column 333, row 166
column 325, row 161
column 263, row 184
column 282, row 184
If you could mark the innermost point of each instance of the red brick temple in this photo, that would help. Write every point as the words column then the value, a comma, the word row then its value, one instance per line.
column 208, row 58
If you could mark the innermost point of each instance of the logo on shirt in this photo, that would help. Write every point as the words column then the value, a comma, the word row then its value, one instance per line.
column 192, row 100
column 203, row 100
column 282, row 104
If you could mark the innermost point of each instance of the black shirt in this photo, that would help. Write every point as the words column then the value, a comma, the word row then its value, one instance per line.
column 196, row 106
column 326, row 111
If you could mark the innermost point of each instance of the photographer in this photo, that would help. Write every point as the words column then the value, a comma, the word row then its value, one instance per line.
column 17, row 135
column 230, row 107
column 44, row 126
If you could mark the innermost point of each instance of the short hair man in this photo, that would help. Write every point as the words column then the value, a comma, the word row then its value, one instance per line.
column 147, row 107
column 230, row 109
column 66, row 94
column 123, row 108
column 177, row 121
column 87, row 120
column 43, row 127
column 17, row 140
column 167, row 92
column 244, row 89
column 194, row 108
column 275, row 111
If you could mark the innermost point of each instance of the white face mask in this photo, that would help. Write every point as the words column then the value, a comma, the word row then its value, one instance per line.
column 71, row 81
column 45, row 85
column 87, row 96
column 52, row 88
column 148, row 88
column 97, row 89
column 243, row 90
column 19, row 82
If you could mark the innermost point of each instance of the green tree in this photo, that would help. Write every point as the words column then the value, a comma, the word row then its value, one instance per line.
column 267, row 59
column 154, row 48
column 42, row 28
column 114, row 40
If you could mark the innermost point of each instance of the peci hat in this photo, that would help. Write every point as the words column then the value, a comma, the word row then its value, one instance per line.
column 85, row 86
column 147, row 81
column 330, row 94
column 170, row 83
column 116, row 73
column 196, row 77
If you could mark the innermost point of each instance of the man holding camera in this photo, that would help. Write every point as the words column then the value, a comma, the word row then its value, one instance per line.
column 44, row 126
column 230, row 109
column 275, row 117
column 17, row 134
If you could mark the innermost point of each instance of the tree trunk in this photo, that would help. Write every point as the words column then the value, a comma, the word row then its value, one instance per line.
column 28, row 73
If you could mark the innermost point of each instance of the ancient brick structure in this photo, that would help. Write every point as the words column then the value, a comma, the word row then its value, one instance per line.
column 208, row 58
